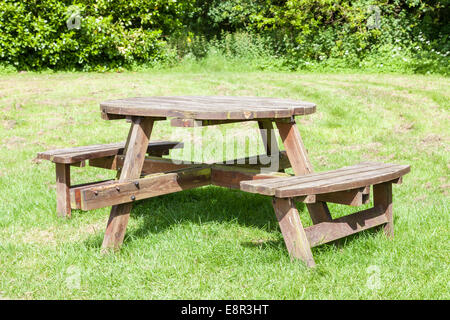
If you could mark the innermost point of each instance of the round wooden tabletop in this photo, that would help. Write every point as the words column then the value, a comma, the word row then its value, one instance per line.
column 208, row 107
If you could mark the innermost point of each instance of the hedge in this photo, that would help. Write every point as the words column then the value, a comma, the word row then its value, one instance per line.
column 107, row 34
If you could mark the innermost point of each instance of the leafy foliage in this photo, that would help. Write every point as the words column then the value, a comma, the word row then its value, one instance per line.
column 35, row 34
column 111, row 34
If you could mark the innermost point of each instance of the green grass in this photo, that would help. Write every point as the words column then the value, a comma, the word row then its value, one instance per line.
column 213, row 242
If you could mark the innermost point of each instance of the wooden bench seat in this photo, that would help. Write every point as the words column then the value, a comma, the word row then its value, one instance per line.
column 64, row 158
column 346, row 178
column 77, row 154
column 347, row 185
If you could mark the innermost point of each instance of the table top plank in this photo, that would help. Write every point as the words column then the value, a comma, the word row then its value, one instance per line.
column 208, row 107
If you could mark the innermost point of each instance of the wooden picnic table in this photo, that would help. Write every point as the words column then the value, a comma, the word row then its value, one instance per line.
column 188, row 111
column 140, row 176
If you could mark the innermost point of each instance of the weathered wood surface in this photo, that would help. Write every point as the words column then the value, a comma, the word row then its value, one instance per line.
column 111, row 192
column 268, row 137
column 158, row 164
column 192, row 123
column 357, row 176
column 352, row 197
column 341, row 227
column 151, row 164
column 136, row 148
column 137, row 189
column 63, row 190
column 295, row 148
column 207, row 108
column 261, row 162
column 382, row 196
column 231, row 176
column 298, row 157
column 292, row 229
column 75, row 191
column 77, row 154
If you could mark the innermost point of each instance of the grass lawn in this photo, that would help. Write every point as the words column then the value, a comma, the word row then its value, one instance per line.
column 215, row 243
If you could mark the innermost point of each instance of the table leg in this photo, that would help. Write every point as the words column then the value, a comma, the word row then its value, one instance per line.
column 63, row 190
column 268, row 137
column 119, row 170
column 299, row 160
column 292, row 229
column 136, row 148
column 382, row 195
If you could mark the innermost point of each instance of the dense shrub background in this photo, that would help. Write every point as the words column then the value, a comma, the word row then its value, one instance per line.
column 390, row 35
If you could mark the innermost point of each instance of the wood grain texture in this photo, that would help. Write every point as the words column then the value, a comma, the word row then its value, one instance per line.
column 292, row 229
column 382, row 196
column 63, row 207
column 100, row 194
column 151, row 164
column 357, row 168
column 352, row 197
column 75, row 191
column 158, row 164
column 298, row 157
column 231, row 176
column 268, row 137
column 345, row 182
column 357, row 176
column 138, row 139
column 295, row 148
column 77, row 154
column 207, row 108
column 143, row 188
column 341, row 227
column 192, row 123
column 275, row 162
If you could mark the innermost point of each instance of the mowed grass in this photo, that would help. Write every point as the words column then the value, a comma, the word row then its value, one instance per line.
column 211, row 242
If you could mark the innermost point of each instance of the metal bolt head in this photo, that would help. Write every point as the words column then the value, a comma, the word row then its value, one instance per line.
column 136, row 183
column 133, row 198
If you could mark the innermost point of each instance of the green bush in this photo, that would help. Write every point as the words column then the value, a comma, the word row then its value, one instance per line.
column 358, row 31
column 383, row 35
column 35, row 35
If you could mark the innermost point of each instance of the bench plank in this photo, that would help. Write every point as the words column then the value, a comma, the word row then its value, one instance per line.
column 345, row 182
column 361, row 167
column 77, row 154
column 353, row 177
